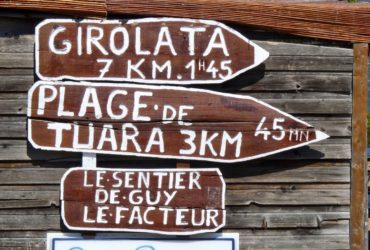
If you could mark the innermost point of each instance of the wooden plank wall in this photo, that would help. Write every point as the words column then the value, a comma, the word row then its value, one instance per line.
column 293, row 200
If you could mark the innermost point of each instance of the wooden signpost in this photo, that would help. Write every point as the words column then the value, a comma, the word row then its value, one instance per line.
column 160, row 121
column 151, row 121
column 166, row 201
column 150, row 50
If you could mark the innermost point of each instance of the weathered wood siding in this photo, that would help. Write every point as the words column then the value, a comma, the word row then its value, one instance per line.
column 293, row 200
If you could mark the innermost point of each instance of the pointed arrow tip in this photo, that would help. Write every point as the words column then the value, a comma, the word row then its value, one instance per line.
column 260, row 55
column 321, row 135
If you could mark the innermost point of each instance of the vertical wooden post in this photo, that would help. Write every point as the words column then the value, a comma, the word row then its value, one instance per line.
column 88, row 160
column 182, row 164
column 358, row 222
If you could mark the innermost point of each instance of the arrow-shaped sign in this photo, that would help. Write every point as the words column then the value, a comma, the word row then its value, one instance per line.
column 160, row 121
column 150, row 50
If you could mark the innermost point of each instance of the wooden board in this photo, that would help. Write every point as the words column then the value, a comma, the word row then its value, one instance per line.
column 173, row 201
column 151, row 50
column 359, row 174
column 307, row 188
column 162, row 122
column 326, row 21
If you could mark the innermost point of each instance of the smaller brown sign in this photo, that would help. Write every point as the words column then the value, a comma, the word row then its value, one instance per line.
column 168, row 201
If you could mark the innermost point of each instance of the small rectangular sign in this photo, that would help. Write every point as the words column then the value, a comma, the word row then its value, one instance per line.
column 57, row 241
column 165, row 201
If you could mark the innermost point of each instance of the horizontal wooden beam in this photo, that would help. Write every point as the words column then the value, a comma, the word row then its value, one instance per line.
column 333, row 21
column 83, row 8
column 342, row 22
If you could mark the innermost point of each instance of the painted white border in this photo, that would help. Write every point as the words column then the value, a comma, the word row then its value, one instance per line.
column 260, row 54
column 107, row 236
column 146, row 170
column 319, row 135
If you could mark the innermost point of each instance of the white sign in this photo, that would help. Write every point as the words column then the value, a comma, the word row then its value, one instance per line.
column 58, row 241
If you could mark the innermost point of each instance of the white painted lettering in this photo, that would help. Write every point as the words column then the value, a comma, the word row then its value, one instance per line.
column 76, row 133
column 217, row 33
column 169, row 197
column 168, row 118
column 164, row 39
column 119, row 215
column 43, row 99
column 138, row 105
column 193, row 180
column 161, row 69
column 66, row 43
column 145, row 216
column 123, row 108
column 101, row 196
column 211, row 217
column 226, row 138
column 59, row 127
column 61, row 111
column 125, row 41
column 86, row 184
column 191, row 36
column 180, row 217
column 135, row 215
column 101, row 214
column 90, row 39
column 135, row 67
column 104, row 138
column 190, row 141
column 118, row 180
column 99, row 178
column 182, row 113
column 207, row 142
column 165, row 214
column 156, row 138
column 132, row 137
column 135, row 200
column 179, row 180
column 85, row 217
column 128, row 180
column 138, row 49
column 90, row 93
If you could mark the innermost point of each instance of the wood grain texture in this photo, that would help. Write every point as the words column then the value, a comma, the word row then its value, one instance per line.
column 268, row 172
column 330, row 149
column 308, row 103
column 20, row 80
column 306, row 19
column 15, row 126
column 253, row 216
column 96, row 8
column 319, row 20
column 274, row 63
column 288, row 181
column 358, row 227
column 27, row 196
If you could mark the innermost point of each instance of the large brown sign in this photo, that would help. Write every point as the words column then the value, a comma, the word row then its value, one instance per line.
column 168, row 201
column 150, row 50
column 160, row 121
